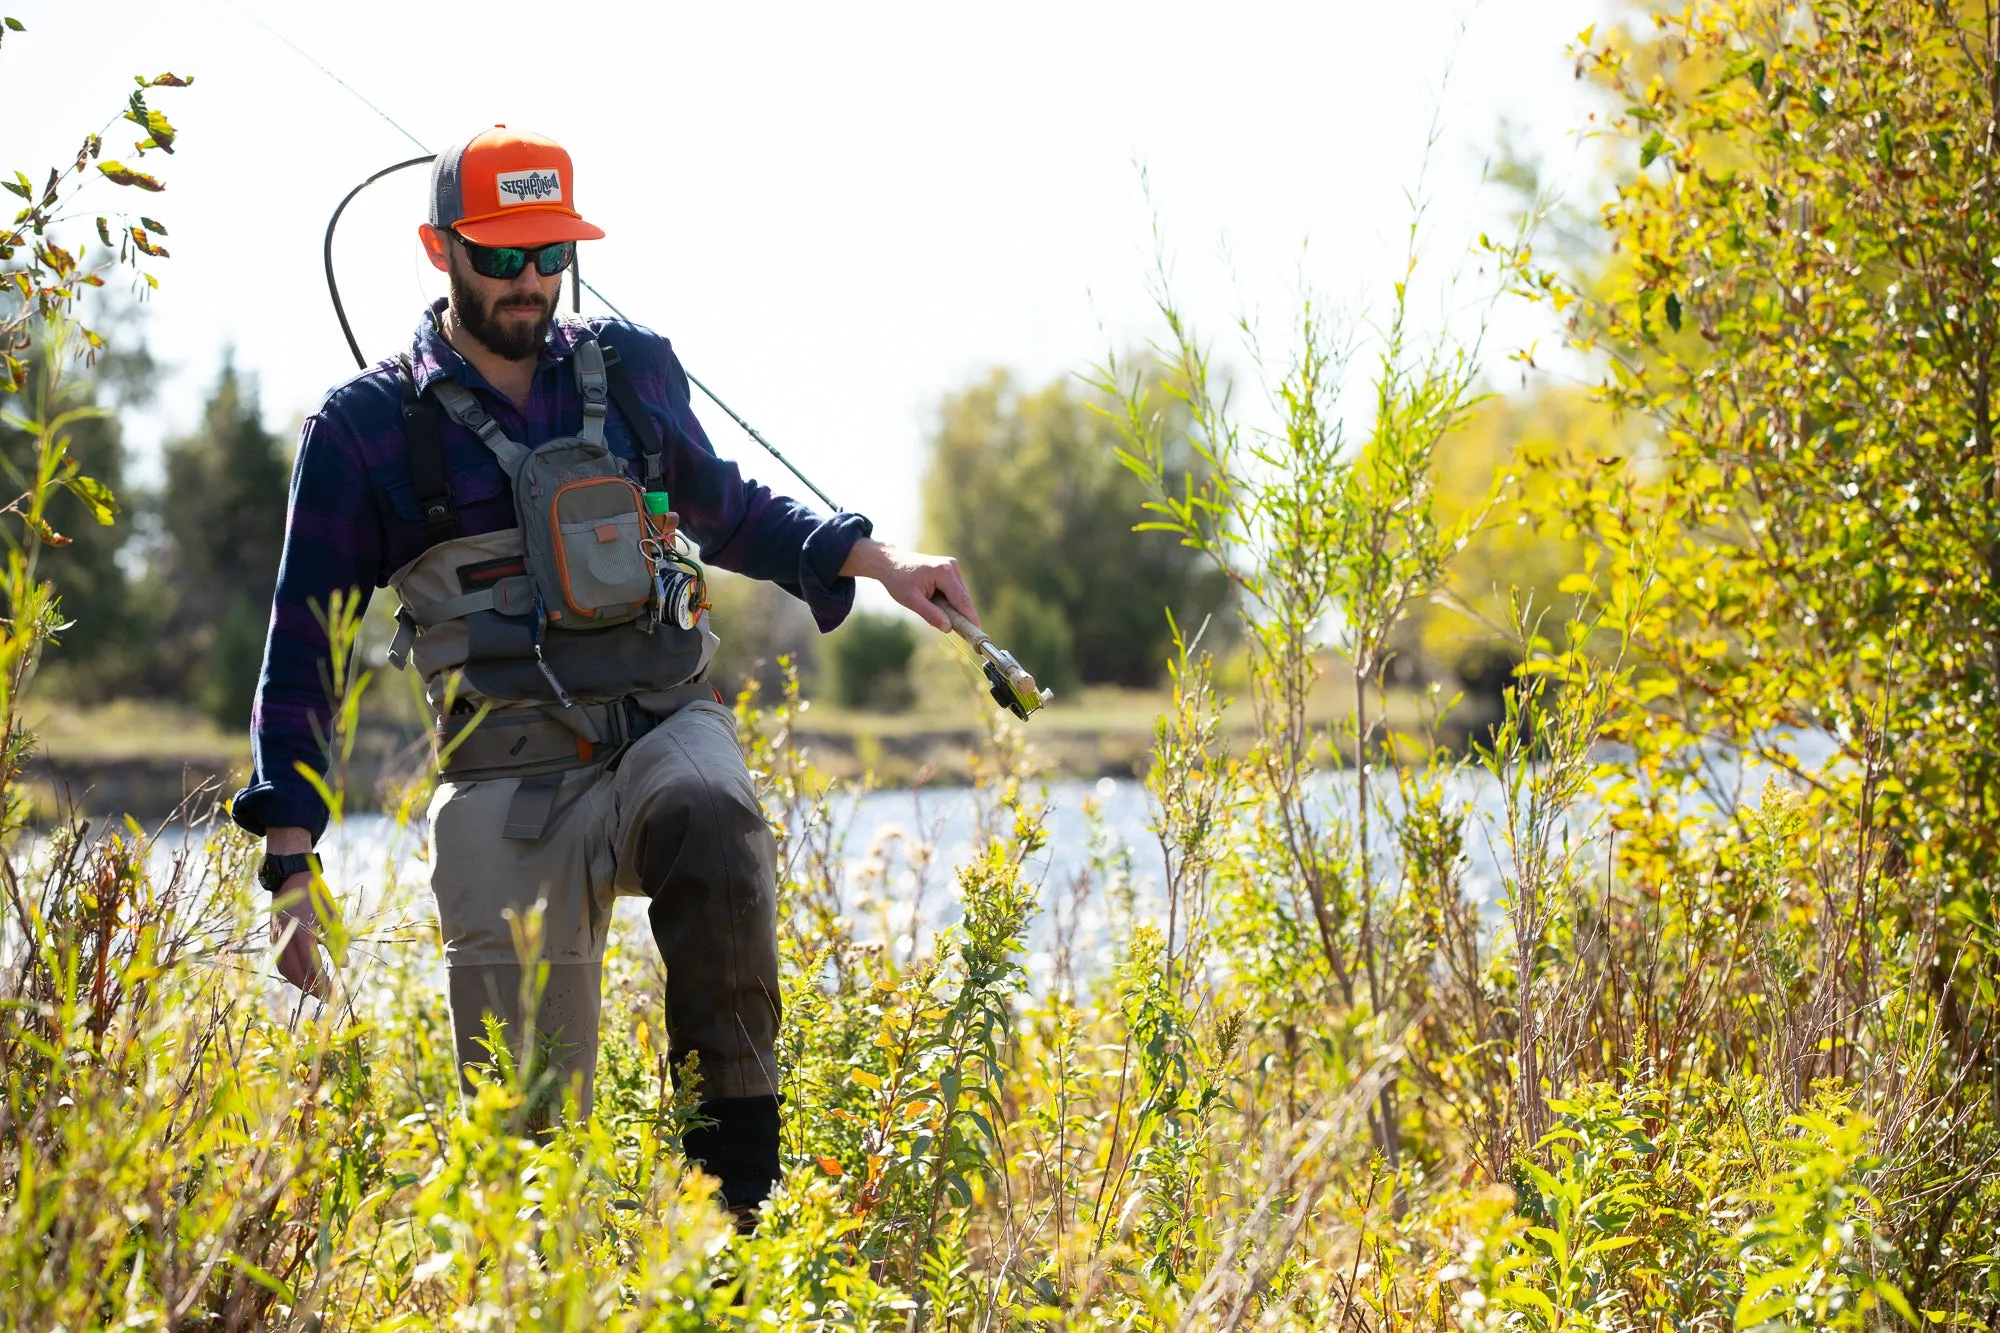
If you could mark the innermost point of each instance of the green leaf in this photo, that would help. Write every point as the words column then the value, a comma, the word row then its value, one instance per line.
column 21, row 185
column 151, row 225
column 1893, row 1298
column 1756, row 73
column 156, row 125
column 1673, row 312
column 14, row 24
column 1656, row 143
column 120, row 174
column 96, row 496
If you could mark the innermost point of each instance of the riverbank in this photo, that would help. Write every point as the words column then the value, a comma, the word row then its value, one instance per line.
column 147, row 760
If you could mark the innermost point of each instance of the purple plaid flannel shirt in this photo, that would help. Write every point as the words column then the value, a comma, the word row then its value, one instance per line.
column 353, row 521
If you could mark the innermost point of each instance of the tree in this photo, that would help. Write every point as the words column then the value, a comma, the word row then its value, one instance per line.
column 44, row 277
column 758, row 623
column 1804, row 556
column 1027, row 491
column 223, row 517
column 94, row 657
column 871, row 656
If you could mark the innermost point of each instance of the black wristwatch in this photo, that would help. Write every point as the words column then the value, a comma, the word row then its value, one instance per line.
column 275, row 870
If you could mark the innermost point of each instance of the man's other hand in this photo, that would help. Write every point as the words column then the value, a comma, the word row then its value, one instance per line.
column 295, row 918
column 911, row 578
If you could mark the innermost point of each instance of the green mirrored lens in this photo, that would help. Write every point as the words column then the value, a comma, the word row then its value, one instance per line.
column 504, row 261
column 553, row 259
column 495, row 261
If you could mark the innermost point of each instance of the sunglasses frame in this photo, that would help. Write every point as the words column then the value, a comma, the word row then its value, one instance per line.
column 478, row 257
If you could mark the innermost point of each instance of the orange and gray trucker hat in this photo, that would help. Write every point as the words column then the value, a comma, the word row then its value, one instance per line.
column 507, row 187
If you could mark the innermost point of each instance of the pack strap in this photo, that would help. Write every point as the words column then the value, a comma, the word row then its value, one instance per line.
column 528, row 812
column 406, row 638
column 510, row 597
column 644, row 428
column 590, row 383
column 427, row 477
column 463, row 408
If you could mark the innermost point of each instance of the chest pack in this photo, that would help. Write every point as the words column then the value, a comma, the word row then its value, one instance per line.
column 564, row 634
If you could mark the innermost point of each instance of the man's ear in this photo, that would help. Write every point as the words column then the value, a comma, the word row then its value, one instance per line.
column 433, row 241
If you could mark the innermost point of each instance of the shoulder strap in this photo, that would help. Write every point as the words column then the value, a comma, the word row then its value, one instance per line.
column 590, row 383
column 420, row 428
column 644, row 428
column 463, row 408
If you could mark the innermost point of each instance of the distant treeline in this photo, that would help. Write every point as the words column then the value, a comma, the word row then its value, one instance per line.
column 171, row 601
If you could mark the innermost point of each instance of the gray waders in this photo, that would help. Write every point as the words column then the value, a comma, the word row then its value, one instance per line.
column 582, row 760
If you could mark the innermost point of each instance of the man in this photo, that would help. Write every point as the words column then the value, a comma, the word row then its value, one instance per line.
column 625, row 780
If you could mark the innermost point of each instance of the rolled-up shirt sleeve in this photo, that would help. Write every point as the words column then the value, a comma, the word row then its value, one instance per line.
column 333, row 543
column 747, row 528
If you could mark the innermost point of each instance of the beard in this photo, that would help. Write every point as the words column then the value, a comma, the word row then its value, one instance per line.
column 514, row 340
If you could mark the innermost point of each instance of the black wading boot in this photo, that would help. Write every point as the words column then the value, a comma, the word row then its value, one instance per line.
column 739, row 1147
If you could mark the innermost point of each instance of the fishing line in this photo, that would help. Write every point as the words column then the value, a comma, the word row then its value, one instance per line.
column 576, row 277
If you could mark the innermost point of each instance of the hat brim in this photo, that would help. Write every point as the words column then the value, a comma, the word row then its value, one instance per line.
column 529, row 226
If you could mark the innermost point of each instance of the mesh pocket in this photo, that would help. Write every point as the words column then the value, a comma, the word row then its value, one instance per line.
column 595, row 526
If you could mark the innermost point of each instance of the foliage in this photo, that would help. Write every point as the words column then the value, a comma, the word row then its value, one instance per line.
column 759, row 623
column 43, row 278
column 110, row 632
column 870, row 654
column 1024, row 489
column 223, row 517
column 1712, row 1048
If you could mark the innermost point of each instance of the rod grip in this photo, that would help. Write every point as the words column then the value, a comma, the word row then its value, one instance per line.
column 964, row 628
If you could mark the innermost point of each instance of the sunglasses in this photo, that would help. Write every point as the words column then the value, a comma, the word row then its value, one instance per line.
column 505, row 262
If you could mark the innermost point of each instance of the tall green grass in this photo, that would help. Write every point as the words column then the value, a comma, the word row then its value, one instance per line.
column 1317, row 1090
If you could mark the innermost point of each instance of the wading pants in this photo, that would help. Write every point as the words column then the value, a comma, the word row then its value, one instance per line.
column 673, row 819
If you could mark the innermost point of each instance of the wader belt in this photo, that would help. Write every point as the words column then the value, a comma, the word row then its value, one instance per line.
column 539, row 746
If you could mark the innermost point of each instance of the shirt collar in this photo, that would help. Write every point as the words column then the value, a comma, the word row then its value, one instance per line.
column 432, row 356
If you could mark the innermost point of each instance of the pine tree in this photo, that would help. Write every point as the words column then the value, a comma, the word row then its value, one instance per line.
column 223, row 519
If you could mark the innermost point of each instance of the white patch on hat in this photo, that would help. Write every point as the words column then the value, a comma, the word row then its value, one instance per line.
column 530, row 187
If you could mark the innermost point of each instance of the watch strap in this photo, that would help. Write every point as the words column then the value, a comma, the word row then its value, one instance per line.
column 276, row 869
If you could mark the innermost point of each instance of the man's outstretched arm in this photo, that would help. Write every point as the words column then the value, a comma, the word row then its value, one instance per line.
column 911, row 577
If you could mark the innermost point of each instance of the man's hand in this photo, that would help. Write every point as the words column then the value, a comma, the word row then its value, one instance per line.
column 911, row 578
column 294, row 909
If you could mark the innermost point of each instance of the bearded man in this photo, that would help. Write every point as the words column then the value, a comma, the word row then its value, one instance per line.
column 511, row 479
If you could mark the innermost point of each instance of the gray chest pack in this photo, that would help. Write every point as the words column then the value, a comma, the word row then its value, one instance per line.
column 548, row 646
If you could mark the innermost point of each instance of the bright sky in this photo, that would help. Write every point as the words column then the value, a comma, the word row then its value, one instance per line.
column 839, row 213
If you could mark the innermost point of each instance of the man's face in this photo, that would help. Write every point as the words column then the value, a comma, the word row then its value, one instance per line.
column 509, row 317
